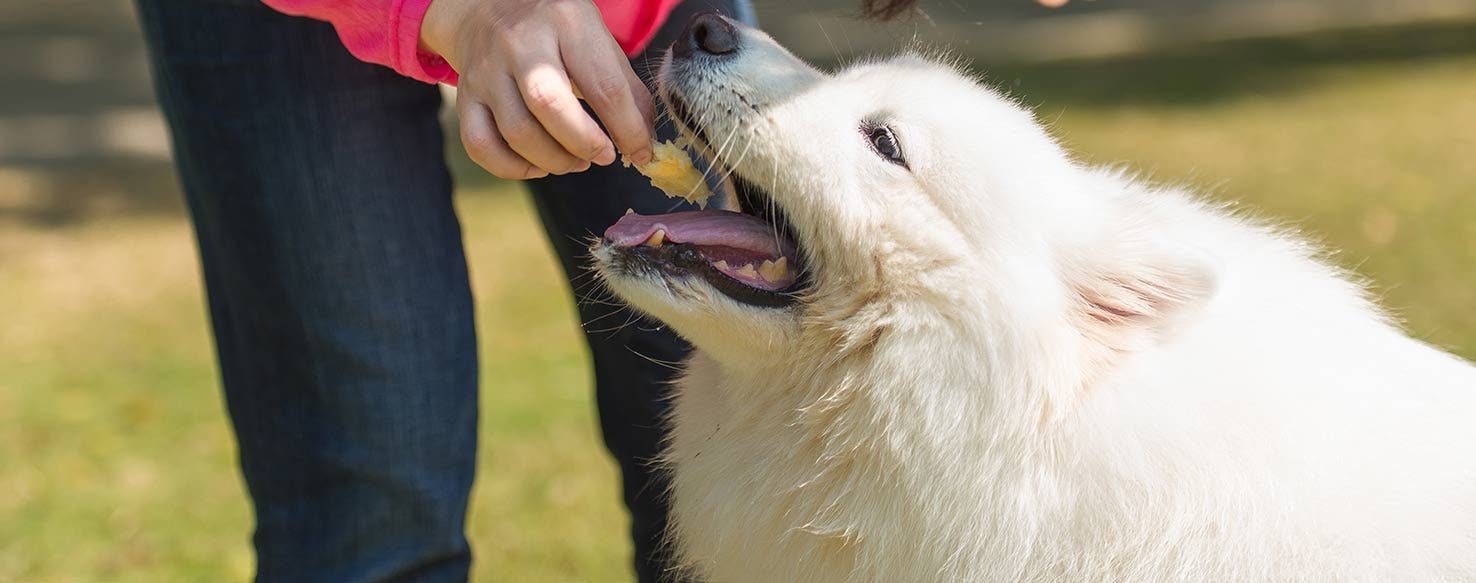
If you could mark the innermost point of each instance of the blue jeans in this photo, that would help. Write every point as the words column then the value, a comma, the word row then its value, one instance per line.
column 338, row 294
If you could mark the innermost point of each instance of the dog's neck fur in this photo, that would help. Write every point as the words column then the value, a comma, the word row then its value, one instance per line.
column 849, row 419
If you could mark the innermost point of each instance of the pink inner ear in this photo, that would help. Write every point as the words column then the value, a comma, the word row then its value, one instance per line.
column 1130, row 296
column 1118, row 308
column 1119, row 314
column 1109, row 314
column 1118, row 300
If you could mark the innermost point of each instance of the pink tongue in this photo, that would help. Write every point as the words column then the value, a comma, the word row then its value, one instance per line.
column 709, row 228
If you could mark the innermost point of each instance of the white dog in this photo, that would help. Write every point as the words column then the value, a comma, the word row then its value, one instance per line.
column 937, row 349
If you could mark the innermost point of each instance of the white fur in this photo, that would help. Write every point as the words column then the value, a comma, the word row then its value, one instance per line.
column 1012, row 367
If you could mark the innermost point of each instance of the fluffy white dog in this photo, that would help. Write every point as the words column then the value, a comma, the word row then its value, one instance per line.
column 935, row 348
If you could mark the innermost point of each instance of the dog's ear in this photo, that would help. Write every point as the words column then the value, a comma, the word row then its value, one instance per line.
column 1136, row 294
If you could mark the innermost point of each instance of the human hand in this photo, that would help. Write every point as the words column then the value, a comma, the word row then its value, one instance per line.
column 523, row 66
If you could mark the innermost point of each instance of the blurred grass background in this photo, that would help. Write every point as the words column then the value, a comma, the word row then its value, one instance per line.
column 116, row 462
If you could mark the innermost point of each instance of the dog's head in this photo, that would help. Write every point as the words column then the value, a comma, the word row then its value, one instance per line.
column 898, row 197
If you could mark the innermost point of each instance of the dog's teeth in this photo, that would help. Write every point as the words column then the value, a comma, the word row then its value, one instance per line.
column 657, row 238
column 774, row 270
column 747, row 271
column 721, row 265
column 630, row 211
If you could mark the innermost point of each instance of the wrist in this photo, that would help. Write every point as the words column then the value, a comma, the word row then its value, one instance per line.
column 439, row 29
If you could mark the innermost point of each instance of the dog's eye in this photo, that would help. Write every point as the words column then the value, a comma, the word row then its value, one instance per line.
column 885, row 144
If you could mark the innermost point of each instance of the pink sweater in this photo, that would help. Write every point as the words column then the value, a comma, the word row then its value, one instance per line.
column 387, row 32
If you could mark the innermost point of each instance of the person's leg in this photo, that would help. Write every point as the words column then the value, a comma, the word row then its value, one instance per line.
column 337, row 287
column 633, row 361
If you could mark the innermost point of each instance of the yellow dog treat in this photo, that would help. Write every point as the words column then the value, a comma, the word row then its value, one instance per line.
column 672, row 171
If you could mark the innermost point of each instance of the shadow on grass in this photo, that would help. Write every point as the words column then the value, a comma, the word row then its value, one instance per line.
column 58, row 194
column 1207, row 73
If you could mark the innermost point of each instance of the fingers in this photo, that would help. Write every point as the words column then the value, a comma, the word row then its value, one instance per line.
column 525, row 133
column 550, row 97
column 520, row 101
column 604, row 78
column 485, row 145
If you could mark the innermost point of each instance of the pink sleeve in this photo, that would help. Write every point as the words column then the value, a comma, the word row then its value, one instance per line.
column 634, row 22
column 386, row 32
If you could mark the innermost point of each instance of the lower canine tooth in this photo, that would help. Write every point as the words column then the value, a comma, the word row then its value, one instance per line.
column 722, row 265
column 657, row 238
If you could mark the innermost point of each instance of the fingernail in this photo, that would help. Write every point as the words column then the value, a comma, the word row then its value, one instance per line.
column 605, row 157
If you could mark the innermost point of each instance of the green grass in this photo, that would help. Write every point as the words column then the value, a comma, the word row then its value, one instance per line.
column 116, row 463
column 119, row 463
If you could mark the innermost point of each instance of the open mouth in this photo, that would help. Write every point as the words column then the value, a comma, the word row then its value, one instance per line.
column 749, row 256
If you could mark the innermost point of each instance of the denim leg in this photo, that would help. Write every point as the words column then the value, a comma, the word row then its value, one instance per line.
column 337, row 288
column 633, row 364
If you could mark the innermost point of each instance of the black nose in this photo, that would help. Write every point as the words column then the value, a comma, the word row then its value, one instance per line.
column 709, row 33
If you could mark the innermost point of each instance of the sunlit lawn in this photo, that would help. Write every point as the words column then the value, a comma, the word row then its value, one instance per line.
column 116, row 461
